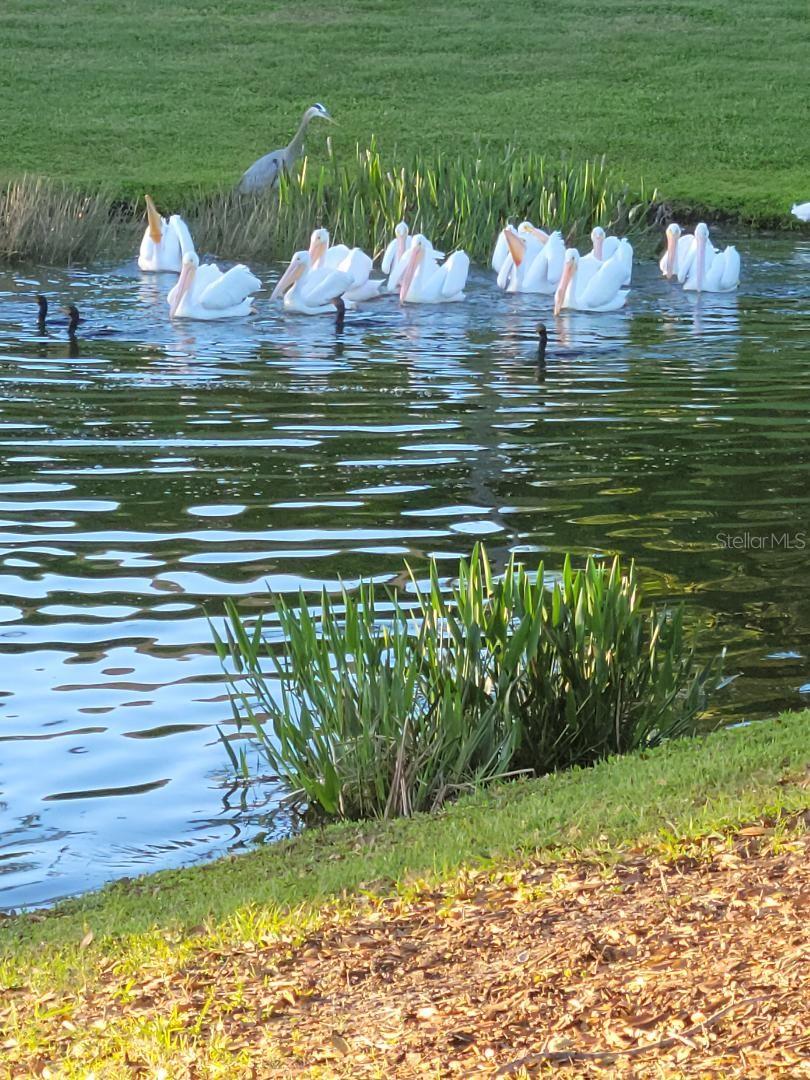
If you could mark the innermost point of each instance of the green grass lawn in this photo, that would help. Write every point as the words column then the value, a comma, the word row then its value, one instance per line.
column 705, row 99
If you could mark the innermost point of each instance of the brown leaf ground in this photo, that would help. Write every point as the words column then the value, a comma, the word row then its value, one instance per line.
column 565, row 967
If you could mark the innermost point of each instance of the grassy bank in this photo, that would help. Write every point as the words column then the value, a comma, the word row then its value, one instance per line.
column 703, row 100
column 138, row 932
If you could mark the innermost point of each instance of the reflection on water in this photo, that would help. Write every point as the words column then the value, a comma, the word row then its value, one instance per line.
column 147, row 476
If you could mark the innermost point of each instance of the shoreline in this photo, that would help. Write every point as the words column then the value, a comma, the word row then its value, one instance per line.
column 95, row 981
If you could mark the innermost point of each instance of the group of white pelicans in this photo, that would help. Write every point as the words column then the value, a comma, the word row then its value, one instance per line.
column 526, row 259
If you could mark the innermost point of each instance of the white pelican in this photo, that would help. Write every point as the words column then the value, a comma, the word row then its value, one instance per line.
column 678, row 244
column 605, row 247
column 392, row 260
column 309, row 291
column 705, row 269
column 501, row 253
column 264, row 173
column 160, row 247
column 423, row 281
column 352, row 261
column 801, row 211
column 204, row 292
column 532, row 265
column 591, row 286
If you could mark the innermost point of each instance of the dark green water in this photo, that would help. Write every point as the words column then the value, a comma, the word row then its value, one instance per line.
column 169, row 467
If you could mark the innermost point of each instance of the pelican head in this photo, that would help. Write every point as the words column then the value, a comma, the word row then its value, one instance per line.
column 598, row 241
column 570, row 266
column 299, row 264
column 525, row 228
column 702, row 230
column 154, row 221
column 416, row 254
column 318, row 245
column 673, row 236
column 401, row 234
column 184, row 283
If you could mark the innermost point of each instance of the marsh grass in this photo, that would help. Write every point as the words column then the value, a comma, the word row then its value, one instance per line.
column 458, row 201
column 49, row 222
column 367, row 707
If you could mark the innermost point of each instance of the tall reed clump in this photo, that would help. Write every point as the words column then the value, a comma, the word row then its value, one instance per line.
column 458, row 201
column 48, row 222
column 367, row 706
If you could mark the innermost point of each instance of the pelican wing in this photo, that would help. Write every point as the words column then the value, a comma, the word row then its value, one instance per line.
column 501, row 252
column 505, row 272
column 229, row 289
column 455, row 271
column 357, row 264
column 731, row 268
column 605, row 283
column 324, row 288
column 388, row 257
column 335, row 255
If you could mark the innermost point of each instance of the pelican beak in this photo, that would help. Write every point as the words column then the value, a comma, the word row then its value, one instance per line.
column 538, row 234
column 184, row 283
column 701, row 259
column 410, row 272
column 562, row 288
column 401, row 242
column 598, row 245
column 517, row 247
column 672, row 249
column 153, row 217
column 316, row 250
column 287, row 280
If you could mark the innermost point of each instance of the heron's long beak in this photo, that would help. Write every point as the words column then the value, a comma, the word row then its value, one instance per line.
column 317, row 250
column 410, row 272
column 567, row 277
column 672, row 250
column 153, row 217
column 287, row 280
column 517, row 247
column 184, row 283
column 701, row 260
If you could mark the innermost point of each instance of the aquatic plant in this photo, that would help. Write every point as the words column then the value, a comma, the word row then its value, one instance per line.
column 49, row 222
column 458, row 201
column 368, row 705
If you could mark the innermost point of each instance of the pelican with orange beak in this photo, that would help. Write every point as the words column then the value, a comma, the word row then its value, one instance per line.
column 705, row 269
column 204, row 292
column 160, row 247
column 593, row 286
column 678, row 244
column 311, row 291
column 532, row 265
column 605, row 247
column 423, row 281
column 525, row 230
column 393, row 260
column 352, row 261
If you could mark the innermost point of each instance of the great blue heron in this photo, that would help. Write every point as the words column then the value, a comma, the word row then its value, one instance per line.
column 264, row 173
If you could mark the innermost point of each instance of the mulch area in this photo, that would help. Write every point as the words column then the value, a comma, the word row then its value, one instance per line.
column 693, row 966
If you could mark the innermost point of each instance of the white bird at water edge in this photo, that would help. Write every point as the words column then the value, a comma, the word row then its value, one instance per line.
column 591, row 286
column 422, row 281
column 160, row 246
column 352, row 261
column 801, row 211
column 310, row 291
column 264, row 173
column 705, row 269
column 205, row 292
column 392, row 261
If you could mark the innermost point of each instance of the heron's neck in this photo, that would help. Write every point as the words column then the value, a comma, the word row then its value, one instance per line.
column 296, row 144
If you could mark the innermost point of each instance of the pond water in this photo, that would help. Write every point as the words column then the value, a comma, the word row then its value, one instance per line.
column 148, row 475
